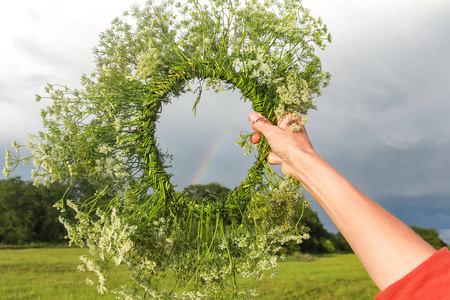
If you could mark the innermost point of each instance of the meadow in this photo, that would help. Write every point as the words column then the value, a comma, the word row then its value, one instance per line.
column 52, row 274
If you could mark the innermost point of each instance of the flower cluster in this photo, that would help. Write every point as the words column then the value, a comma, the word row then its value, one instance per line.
column 108, row 237
column 8, row 164
column 215, row 84
column 244, row 142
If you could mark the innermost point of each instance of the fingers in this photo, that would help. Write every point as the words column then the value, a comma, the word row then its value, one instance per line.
column 262, row 125
column 256, row 137
column 259, row 122
column 274, row 159
column 289, row 120
column 285, row 138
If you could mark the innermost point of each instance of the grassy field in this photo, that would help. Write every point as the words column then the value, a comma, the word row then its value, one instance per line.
column 52, row 274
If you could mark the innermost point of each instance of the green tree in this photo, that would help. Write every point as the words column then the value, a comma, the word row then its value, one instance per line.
column 430, row 235
column 16, row 212
column 210, row 192
column 27, row 214
column 321, row 240
column 341, row 243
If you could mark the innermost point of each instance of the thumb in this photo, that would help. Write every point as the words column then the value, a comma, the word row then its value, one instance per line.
column 261, row 124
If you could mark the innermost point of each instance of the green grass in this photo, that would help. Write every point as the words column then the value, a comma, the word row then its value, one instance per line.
column 52, row 274
column 326, row 277
column 45, row 274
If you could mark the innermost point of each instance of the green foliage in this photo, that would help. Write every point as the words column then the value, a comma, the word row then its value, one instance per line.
column 319, row 235
column 297, row 256
column 105, row 134
column 15, row 225
column 27, row 212
column 341, row 244
column 320, row 240
column 211, row 192
column 430, row 235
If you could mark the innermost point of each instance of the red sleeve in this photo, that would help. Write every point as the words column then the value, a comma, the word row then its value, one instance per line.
column 430, row 280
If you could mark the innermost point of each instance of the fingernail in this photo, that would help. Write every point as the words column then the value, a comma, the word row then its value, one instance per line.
column 258, row 118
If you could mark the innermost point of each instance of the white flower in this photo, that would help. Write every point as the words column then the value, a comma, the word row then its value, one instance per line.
column 255, row 73
column 265, row 68
column 295, row 127
column 6, row 172
column 104, row 149
column 8, row 163
column 15, row 145
column 117, row 124
column 304, row 120
column 89, row 282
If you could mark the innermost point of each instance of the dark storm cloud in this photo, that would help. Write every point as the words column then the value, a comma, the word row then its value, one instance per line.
column 428, row 211
column 383, row 122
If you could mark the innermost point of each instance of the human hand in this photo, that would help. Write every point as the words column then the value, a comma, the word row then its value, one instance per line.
column 288, row 147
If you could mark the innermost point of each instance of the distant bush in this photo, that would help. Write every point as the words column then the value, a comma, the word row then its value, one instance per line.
column 431, row 236
column 297, row 256
column 27, row 215
column 33, row 245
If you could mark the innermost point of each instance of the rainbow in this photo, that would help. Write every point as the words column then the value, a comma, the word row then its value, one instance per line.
column 220, row 139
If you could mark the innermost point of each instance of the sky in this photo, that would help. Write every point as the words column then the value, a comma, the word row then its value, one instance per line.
column 383, row 121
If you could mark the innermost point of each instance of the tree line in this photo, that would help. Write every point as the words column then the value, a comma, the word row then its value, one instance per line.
column 27, row 216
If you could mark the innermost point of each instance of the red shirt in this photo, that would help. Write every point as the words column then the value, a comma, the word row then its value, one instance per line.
column 429, row 281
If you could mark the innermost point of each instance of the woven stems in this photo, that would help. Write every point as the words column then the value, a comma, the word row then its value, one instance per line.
column 219, row 68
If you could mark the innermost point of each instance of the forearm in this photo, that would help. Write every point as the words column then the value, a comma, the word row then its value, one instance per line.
column 387, row 248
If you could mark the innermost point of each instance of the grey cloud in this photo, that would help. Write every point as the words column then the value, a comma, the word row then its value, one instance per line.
column 60, row 62
column 444, row 234
column 383, row 61
column 427, row 211
column 35, row 48
column 382, row 171
column 383, row 122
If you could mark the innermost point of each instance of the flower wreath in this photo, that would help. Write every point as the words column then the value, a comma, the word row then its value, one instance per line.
column 105, row 134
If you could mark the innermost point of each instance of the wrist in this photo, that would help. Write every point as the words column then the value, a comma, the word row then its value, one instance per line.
column 303, row 166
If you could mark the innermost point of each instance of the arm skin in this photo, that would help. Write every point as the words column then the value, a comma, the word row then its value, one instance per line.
column 386, row 247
